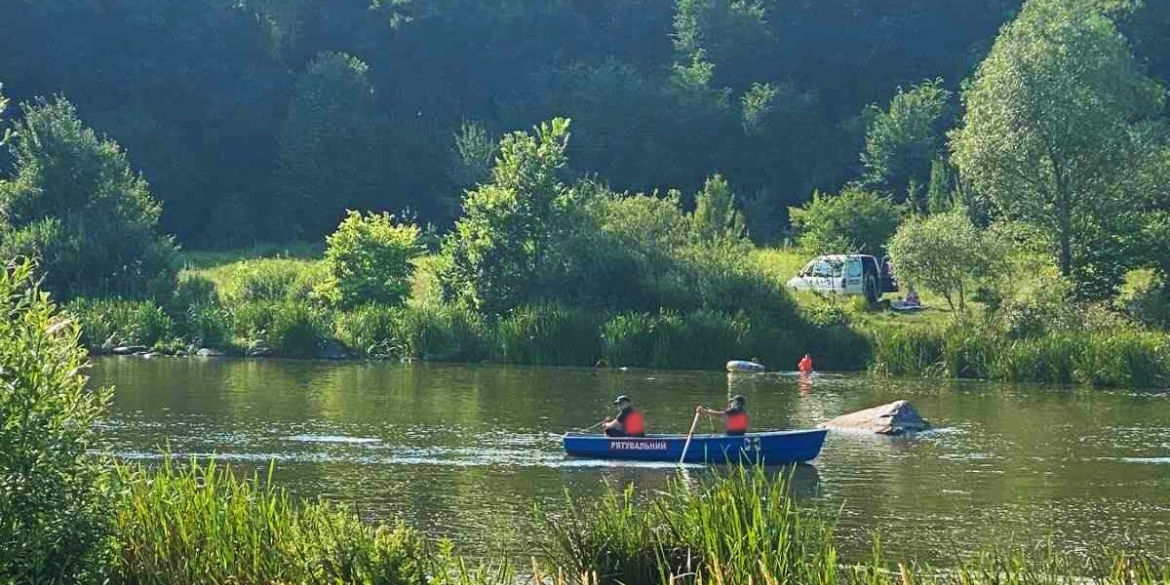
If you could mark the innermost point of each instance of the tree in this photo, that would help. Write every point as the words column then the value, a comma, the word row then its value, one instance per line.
column 942, row 253
column 52, row 504
column 715, row 214
column 74, row 204
column 494, row 257
column 1056, row 130
column 369, row 259
column 854, row 221
column 330, row 148
column 902, row 142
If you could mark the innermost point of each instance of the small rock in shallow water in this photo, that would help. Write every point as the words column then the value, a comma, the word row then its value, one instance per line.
column 895, row 418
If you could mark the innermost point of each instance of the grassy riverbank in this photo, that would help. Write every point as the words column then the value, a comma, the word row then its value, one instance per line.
column 201, row 524
column 262, row 302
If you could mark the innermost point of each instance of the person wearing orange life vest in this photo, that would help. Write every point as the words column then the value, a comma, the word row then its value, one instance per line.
column 628, row 423
column 806, row 365
column 735, row 414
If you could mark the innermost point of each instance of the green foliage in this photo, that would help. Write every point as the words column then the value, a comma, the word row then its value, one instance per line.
column 287, row 328
column 203, row 524
column 715, row 214
column 330, row 148
column 1085, row 355
column 53, row 518
column 370, row 330
column 903, row 141
column 548, row 335
column 208, row 325
column 74, row 204
column 703, row 339
column 369, row 260
column 109, row 323
column 854, row 221
column 943, row 253
column 500, row 246
column 266, row 279
column 940, row 192
column 447, row 333
column 741, row 528
column 474, row 154
column 1059, row 134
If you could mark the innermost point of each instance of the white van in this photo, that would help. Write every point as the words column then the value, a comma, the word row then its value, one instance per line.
column 846, row 274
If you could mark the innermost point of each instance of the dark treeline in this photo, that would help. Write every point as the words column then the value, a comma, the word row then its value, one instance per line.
column 235, row 109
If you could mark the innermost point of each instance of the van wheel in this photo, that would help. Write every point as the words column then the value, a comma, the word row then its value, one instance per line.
column 871, row 289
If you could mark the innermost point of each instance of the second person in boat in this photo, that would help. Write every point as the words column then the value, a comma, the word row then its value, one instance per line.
column 735, row 415
column 629, row 422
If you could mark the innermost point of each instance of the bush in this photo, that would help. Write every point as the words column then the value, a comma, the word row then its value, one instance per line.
column 369, row 260
column 52, row 490
column 497, row 251
column 943, row 253
column 704, row 339
column 854, row 221
column 75, row 205
column 202, row 524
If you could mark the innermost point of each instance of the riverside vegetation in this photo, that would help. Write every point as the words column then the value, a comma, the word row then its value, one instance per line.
column 91, row 520
column 1037, row 215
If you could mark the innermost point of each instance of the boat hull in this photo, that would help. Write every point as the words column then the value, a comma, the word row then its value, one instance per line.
column 776, row 448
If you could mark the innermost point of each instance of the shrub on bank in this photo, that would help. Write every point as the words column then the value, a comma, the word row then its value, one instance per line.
column 203, row 524
column 53, row 514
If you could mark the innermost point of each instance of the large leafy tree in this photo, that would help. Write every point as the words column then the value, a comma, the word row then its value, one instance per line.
column 854, row 221
column 330, row 148
column 495, row 256
column 1057, row 134
column 904, row 140
column 74, row 204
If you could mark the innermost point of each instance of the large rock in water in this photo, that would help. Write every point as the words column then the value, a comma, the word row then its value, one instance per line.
column 895, row 418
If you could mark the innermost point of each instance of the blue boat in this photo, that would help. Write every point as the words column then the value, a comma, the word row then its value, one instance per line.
column 771, row 448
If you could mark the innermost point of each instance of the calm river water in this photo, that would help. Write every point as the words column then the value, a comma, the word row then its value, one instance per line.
column 465, row 451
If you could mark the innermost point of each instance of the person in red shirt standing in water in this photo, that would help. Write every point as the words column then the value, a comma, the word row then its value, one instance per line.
column 735, row 415
column 629, row 422
column 805, row 366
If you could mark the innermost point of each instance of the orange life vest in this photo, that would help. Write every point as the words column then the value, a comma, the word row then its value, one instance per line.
column 737, row 422
column 634, row 424
column 806, row 365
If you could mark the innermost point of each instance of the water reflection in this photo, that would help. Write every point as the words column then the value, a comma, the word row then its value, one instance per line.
column 465, row 451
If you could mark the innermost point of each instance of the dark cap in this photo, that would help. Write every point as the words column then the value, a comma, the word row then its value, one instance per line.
column 621, row 399
column 739, row 399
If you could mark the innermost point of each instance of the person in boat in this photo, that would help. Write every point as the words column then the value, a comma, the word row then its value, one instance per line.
column 735, row 415
column 805, row 366
column 628, row 422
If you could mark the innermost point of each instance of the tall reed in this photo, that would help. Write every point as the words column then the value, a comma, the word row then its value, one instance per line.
column 204, row 524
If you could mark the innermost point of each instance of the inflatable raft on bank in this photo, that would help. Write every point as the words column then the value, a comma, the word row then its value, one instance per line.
column 744, row 366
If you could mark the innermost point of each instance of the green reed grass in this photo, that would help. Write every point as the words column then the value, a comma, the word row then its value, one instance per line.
column 548, row 335
column 203, row 524
column 266, row 279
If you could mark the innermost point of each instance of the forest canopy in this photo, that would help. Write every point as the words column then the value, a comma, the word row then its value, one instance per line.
column 233, row 109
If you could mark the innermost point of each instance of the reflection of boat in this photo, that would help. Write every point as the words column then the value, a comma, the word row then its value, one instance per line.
column 773, row 448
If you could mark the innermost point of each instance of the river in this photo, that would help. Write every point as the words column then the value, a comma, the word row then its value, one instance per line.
column 465, row 451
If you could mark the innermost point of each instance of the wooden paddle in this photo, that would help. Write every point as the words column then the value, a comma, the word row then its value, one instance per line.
column 594, row 426
column 690, row 434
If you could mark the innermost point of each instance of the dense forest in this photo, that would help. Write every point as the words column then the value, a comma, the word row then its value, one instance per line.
column 263, row 120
